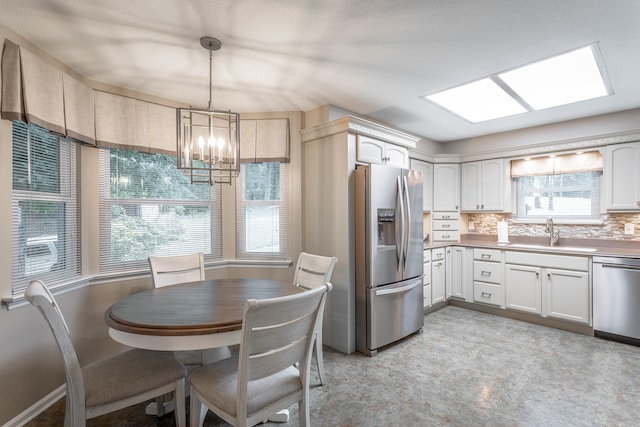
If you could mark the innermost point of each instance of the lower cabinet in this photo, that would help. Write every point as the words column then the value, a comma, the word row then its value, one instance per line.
column 438, row 275
column 426, row 279
column 541, row 288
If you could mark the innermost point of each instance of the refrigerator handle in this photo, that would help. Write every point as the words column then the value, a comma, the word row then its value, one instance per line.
column 407, row 221
column 399, row 226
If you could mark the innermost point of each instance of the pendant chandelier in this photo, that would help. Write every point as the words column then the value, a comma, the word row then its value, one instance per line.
column 208, row 148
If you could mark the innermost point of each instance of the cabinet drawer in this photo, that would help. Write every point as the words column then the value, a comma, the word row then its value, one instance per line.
column 444, row 224
column 487, row 293
column 446, row 236
column 484, row 271
column 437, row 254
column 548, row 260
column 446, row 215
column 487, row 254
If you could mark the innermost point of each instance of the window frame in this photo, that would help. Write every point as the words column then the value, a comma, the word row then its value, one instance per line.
column 66, row 197
column 115, row 267
column 242, row 204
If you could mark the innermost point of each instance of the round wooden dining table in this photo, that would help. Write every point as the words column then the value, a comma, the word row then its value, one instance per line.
column 189, row 316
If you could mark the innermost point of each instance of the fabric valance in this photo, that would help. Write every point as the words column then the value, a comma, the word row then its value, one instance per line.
column 128, row 123
column 264, row 140
column 35, row 91
column 565, row 163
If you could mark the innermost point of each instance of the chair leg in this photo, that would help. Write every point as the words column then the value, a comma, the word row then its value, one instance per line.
column 180, row 410
column 319, row 358
column 197, row 411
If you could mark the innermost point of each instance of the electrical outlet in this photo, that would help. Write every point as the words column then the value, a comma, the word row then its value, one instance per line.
column 472, row 225
column 629, row 228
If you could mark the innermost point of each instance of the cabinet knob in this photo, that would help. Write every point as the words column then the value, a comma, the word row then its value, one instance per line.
column 477, row 206
column 481, row 206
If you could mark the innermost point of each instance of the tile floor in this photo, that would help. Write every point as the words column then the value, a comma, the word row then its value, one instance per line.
column 466, row 369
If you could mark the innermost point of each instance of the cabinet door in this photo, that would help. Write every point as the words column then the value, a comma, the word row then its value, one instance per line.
column 470, row 185
column 370, row 150
column 567, row 295
column 523, row 288
column 396, row 155
column 492, row 185
column 438, row 276
column 622, row 176
column 446, row 187
column 427, row 182
column 458, row 264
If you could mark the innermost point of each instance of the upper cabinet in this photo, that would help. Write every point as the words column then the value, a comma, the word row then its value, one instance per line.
column 482, row 185
column 375, row 151
column 427, row 182
column 622, row 177
column 446, row 187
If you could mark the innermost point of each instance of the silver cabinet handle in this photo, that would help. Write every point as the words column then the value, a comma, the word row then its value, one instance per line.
column 485, row 295
column 486, row 273
column 485, row 256
column 446, row 225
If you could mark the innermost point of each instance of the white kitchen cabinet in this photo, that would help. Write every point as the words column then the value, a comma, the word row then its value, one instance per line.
column 375, row 151
column 622, row 177
column 427, row 182
column 438, row 275
column 426, row 279
column 482, row 185
column 523, row 288
column 446, row 187
column 567, row 295
column 459, row 273
column 553, row 286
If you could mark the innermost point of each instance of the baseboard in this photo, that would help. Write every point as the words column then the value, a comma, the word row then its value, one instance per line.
column 37, row 408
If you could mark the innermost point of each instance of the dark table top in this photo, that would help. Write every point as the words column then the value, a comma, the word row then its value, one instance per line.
column 196, row 308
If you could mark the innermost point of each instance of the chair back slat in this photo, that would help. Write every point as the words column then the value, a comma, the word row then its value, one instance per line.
column 313, row 271
column 171, row 270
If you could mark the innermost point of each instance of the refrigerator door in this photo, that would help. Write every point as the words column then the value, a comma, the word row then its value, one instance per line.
column 413, row 252
column 395, row 311
column 384, row 228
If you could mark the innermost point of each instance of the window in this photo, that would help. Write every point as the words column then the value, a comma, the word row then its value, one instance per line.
column 149, row 207
column 261, row 210
column 564, row 187
column 45, row 207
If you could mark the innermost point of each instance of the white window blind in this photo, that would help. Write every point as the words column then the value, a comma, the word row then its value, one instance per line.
column 261, row 211
column 149, row 207
column 45, row 223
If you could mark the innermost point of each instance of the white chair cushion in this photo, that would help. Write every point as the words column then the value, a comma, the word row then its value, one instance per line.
column 129, row 374
column 218, row 384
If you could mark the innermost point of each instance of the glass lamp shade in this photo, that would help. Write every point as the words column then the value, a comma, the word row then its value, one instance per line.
column 208, row 149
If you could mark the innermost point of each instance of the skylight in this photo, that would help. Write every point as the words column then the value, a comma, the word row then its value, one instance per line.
column 564, row 79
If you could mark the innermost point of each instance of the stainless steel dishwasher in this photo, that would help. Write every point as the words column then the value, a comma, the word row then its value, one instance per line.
column 616, row 298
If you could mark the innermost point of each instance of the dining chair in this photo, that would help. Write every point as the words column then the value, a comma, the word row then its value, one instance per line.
column 261, row 379
column 111, row 384
column 314, row 271
column 170, row 270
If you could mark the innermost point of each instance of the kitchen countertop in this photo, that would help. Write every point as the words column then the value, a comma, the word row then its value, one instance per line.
column 603, row 247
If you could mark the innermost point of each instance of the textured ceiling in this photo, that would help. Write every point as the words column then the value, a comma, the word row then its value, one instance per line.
column 372, row 57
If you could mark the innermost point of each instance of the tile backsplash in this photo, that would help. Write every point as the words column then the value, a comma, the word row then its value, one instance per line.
column 612, row 226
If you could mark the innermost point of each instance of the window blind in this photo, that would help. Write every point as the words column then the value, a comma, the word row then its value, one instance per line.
column 566, row 163
column 45, row 222
column 149, row 207
column 261, row 213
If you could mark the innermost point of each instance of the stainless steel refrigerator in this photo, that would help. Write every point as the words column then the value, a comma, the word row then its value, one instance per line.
column 389, row 255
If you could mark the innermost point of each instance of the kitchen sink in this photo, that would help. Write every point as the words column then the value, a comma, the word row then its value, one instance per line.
column 553, row 248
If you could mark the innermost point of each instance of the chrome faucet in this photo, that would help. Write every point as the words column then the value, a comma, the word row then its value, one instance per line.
column 554, row 236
